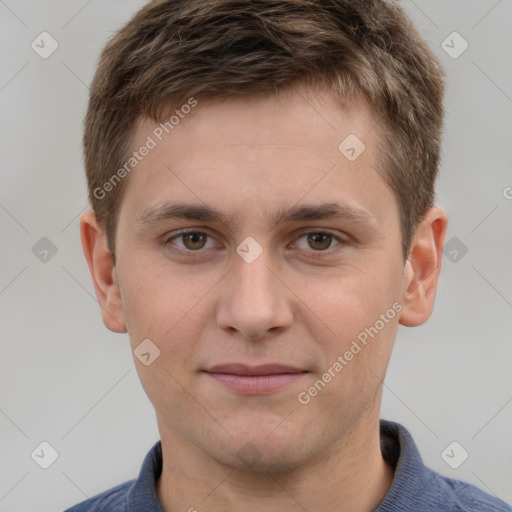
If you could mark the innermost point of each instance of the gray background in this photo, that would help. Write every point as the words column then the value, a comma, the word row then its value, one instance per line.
column 66, row 380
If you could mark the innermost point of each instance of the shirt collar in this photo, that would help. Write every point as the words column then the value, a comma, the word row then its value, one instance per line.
column 411, row 477
column 142, row 495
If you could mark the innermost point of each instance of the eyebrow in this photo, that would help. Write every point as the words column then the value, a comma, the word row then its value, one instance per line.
column 204, row 213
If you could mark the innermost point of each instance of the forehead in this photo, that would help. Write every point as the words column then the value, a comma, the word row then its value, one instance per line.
column 256, row 154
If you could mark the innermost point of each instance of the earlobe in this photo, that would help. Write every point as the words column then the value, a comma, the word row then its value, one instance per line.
column 103, row 272
column 422, row 268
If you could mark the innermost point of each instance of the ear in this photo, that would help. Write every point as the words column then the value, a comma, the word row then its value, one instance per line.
column 103, row 272
column 422, row 268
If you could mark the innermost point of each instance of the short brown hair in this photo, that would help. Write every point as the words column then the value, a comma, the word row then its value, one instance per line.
column 172, row 50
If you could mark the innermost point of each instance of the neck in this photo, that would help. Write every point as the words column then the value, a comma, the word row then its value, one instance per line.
column 351, row 476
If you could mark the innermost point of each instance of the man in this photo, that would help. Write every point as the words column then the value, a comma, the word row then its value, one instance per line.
column 262, row 180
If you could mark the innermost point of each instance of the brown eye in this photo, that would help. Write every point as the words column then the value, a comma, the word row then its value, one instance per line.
column 190, row 241
column 319, row 241
column 194, row 241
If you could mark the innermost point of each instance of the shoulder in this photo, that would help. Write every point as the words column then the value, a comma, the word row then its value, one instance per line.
column 465, row 497
column 419, row 488
column 139, row 494
column 113, row 500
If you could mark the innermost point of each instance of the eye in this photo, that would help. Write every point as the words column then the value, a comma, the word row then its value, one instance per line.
column 192, row 241
column 319, row 241
column 195, row 241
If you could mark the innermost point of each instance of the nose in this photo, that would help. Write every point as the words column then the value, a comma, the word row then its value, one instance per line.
column 254, row 300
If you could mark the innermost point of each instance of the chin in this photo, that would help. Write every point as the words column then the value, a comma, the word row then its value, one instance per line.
column 266, row 460
column 259, row 450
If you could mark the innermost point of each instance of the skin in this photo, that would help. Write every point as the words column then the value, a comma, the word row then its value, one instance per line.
column 300, row 303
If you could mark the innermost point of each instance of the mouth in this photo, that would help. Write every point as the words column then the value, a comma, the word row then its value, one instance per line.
column 253, row 380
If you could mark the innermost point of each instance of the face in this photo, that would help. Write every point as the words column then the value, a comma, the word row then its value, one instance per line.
column 266, row 268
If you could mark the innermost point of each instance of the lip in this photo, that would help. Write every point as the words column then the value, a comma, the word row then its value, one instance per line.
column 253, row 380
column 245, row 369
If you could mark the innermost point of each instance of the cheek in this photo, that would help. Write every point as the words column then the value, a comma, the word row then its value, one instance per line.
column 165, row 308
column 355, row 318
column 349, row 303
column 158, row 302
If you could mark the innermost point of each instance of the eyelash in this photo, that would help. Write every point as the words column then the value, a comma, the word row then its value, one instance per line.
column 313, row 253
